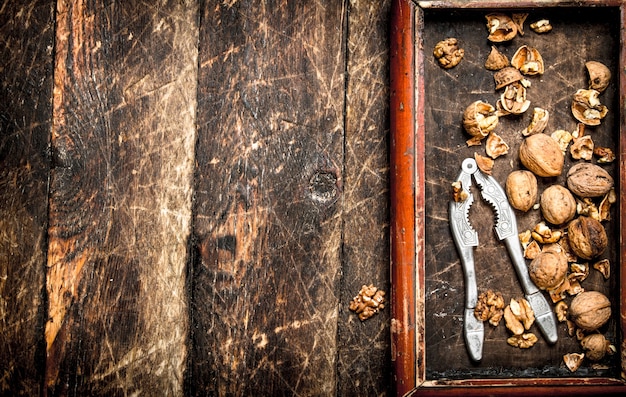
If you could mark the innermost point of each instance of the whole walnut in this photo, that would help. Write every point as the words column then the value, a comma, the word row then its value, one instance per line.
column 587, row 237
column 548, row 269
column 542, row 155
column 558, row 204
column 589, row 180
column 590, row 310
column 521, row 189
column 595, row 346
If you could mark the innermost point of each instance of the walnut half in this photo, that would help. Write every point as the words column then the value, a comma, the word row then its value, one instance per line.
column 368, row 302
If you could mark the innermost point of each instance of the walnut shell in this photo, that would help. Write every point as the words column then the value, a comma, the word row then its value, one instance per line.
column 528, row 60
column 521, row 189
column 541, row 155
column 558, row 204
column 501, row 27
column 548, row 269
column 595, row 346
column 590, row 310
column 599, row 75
column 587, row 237
column 496, row 60
column 586, row 107
column 506, row 76
column 589, row 180
column 479, row 119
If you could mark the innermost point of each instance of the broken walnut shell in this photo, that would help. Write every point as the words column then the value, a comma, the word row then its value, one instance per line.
column 586, row 107
column 589, row 180
column 590, row 310
column 485, row 164
column 496, row 60
column 538, row 123
column 541, row 155
column 479, row 119
column 573, row 361
column 528, row 60
column 557, row 204
column 513, row 99
column 507, row 75
column 521, row 189
column 448, row 53
column 501, row 27
column 587, row 237
column 582, row 148
column 495, row 146
column 599, row 75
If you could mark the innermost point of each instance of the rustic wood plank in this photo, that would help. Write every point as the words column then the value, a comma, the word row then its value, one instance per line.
column 26, row 40
column 269, row 186
column 364, row 351
column 120, row 197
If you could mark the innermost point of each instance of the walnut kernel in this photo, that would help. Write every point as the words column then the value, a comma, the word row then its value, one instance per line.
column 368, row 302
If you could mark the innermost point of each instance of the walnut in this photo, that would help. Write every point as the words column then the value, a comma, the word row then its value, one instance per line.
column 489, row 307
column 523, row 341
column 479, row 119
column 573, row 361
column 532, row 251
column 587, row 237
column 586, row 107
column 458, row 193
column 495, row 146
column 541, row 26
column 561, row 311
column 557, row 204
column 485, row 164
column 596, row 346
column 599, row 75
column 604, row 267
column 541, row 155
column 368, row 302
column 604, row 154
column 448, row 53
column 548, row 269
column 501, row 27
column 521, row 189
column 518, row 316
column 582, row 148
column 507, row 75
column 496, row 60
column 590, row 310
column 589, row 180
column 538, row 122
column 528, row 60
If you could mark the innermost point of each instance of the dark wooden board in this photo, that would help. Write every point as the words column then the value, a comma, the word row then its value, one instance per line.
column 579, row 34
column 364, row 352
column 269, row 187
column 120, row 197
column 26, row 59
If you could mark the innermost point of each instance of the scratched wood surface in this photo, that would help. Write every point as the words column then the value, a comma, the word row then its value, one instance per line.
column 191, row 194
column 578, row 36
column 26, row 40
column 123, row 139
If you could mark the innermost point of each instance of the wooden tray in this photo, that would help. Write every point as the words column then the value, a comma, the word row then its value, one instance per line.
column 427, row 147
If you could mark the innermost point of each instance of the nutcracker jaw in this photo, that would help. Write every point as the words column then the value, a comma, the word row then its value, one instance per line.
column 466, row 238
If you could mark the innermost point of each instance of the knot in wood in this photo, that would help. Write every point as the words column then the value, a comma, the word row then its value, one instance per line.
column 323, row 186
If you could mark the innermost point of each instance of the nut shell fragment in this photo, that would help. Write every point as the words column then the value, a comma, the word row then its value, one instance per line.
column 538, row 122
column 513, row 99
column 528, row 60
column 586, row 107
column 501, row 27
column 604, row 267
column 448, row 53
column 507, row 75
column 599, row 75
column 485, row 164
column 573, row 361
column 495, row 146
column 496, row 60
column 479, row 119
column 582, row 148
column 604, row 154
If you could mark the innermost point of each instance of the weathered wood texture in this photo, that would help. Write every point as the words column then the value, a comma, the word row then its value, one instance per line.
column 268, row 215
column 26, row 41
column 363, row 352
column 191, row 194
column 120, row 197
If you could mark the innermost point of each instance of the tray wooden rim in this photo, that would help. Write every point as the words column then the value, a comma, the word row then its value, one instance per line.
column 407, row 181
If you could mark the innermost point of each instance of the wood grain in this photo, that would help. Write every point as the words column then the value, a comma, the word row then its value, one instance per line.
column 364, row 347
column 26, row 41
column 268, row 215
column 120, row 197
